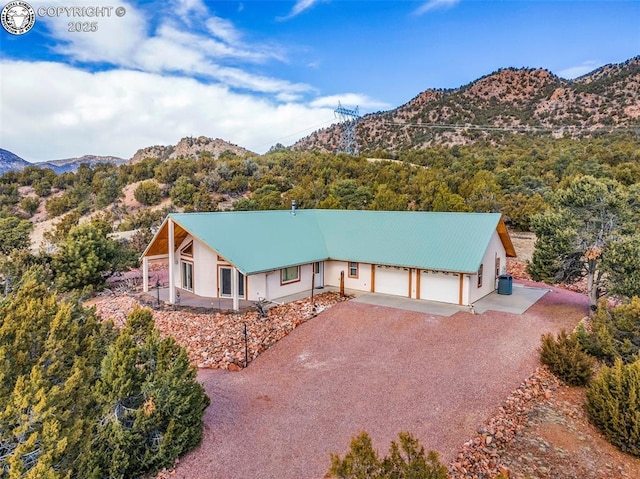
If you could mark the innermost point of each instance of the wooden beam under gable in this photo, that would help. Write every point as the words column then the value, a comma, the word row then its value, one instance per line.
column 160, row 243
column 506, row 239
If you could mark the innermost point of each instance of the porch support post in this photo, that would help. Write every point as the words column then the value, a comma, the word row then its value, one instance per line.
column 234, row 288
column 172, row 259
column 145, row 274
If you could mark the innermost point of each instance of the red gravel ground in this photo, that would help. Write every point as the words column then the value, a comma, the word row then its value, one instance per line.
column 360, row 367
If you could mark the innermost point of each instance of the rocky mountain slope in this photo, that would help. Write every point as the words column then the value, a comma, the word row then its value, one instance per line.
column 186, row 148
column 502, row 103
column 11, row 161
column 71, row 164
column 189, row 148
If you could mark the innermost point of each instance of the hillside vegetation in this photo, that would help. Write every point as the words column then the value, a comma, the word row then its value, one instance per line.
column 498, row 105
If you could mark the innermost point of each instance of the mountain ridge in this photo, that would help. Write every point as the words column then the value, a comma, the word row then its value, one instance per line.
column 187, row 147
column 505, row 101
column 10, row 161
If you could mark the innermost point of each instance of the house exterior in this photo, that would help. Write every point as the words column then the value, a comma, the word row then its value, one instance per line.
column 448, row 257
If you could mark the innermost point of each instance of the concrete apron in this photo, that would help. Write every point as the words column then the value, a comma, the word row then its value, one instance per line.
column 521, row 299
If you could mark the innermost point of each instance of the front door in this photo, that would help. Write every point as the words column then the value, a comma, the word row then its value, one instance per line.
column 225, row 282
column 318, row 274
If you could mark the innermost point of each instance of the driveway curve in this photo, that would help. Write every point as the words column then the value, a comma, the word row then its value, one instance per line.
column 362, row 367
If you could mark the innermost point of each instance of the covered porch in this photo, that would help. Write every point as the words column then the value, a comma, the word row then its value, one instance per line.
column 227, row 285
column 186, row 298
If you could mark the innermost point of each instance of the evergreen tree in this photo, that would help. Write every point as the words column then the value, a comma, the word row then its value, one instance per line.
column 148, row 193
column 589, row 214
column 14, row 234
column 406, row 460
column 49, row 353
column 79, row 400
column 613, row 403
column 151, row 405
column 622, row 263
column 84, row 258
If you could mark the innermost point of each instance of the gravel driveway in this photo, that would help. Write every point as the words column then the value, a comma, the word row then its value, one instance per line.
column 361, row 367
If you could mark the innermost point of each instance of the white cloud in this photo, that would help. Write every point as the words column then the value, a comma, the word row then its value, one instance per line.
column 434, row 5
column 127, row 42
column 188, row 8
column 222, row 29
column 579, row 70
column 349, row 100
column 162, row 82
column 299, row 7
column 115, row 40
column 117, row 112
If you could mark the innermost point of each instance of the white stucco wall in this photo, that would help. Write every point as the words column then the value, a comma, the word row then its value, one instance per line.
column 257, row 286
column 332, row 270
column 205, row 277
column 489, row 281
column 275, row 289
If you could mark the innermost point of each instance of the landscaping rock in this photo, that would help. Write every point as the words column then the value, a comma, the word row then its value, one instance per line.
column 216, row 340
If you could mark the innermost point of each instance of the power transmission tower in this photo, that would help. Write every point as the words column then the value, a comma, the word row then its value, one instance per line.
column 348, row 119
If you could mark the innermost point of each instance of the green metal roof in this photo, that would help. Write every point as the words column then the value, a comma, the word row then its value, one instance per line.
column 257, row 241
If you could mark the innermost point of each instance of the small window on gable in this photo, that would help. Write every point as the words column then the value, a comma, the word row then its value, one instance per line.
column 187, row 250
column 289, row 275
column 480, row 275
column 353, row 270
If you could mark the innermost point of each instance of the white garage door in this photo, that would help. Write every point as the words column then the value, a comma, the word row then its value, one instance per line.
column 392, row 280
column 439, row 287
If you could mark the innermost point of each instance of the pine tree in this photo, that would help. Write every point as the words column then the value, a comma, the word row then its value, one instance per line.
column 79, row 400
column 85, row 256
column 151, row 404
column 613, row 403
column 406, row 460
column 49, row 352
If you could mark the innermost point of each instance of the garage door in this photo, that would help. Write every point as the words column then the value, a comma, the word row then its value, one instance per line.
column 392, row 280
column 444, row 287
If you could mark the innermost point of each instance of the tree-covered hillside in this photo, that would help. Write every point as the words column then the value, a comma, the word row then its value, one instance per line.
column 517, row 177
column 499, row 105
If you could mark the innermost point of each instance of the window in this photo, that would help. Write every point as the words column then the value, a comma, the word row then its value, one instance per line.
column 497, row 266
column 353, row 270
column 188, row 250
column 187, row 276
column 316, row 267
column 480, row 275
column 225, row 278
column 289, row 275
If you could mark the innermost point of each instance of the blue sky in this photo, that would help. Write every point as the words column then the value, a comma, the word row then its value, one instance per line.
column 258, row 72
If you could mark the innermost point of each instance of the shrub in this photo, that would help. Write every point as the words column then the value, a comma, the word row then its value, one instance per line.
column 613, row 403
column 615, row 332
column 566, row 358
column 30, row 204
column 148, row 193
column 406, row 460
